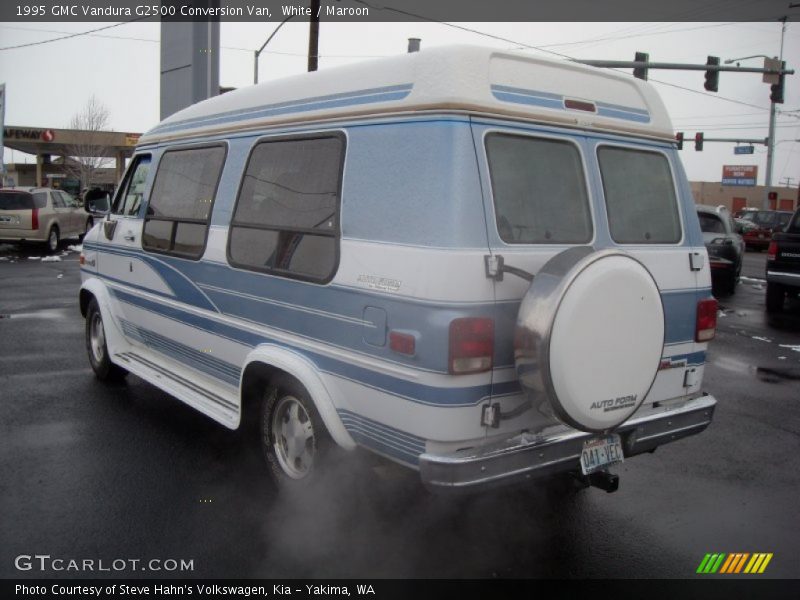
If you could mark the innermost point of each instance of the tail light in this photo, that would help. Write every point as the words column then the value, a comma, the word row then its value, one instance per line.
column 34, row 218
column 471, row 345
column 706, row 325
column 772, row 251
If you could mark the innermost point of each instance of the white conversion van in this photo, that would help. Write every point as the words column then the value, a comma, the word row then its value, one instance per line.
column 481, row 264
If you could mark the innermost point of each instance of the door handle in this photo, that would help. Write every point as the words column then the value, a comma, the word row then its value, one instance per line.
column 129, row 237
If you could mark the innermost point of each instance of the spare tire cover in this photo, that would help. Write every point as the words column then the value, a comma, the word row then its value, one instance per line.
column 590, row 336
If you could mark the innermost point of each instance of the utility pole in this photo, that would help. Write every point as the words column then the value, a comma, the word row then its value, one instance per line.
column 313, row 36
column 771, row 145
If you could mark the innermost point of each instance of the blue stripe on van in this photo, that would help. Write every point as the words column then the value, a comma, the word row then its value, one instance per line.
column 196, row 359
column 336, row 317
column 549, row 100
column 180, row 285
column 387, row 440
column 408, row 390
column 351, row 98
column 622, row 112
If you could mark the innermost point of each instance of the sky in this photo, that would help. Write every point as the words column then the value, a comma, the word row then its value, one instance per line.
column 47, row 84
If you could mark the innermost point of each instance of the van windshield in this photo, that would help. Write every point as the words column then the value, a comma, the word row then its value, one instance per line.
column 640, row 196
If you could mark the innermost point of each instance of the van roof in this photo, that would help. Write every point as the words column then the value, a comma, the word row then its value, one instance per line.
column 508, row 84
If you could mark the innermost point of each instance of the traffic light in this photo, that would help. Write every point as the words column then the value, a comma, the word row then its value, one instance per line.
column 698, row 141
column 641, row 72
column 776, row 89
column 679, row 139
column 712, row 77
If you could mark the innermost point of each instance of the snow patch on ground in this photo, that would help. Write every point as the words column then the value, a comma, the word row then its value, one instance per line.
column 51, row 259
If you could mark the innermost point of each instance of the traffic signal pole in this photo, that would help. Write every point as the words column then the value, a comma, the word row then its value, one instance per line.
column 777, row 96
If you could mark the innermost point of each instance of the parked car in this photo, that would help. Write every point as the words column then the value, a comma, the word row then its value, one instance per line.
column 725, row 247
column 31, row 214
column 766, row 223
column 746, row 213
column 783, row 265
column 481, row 264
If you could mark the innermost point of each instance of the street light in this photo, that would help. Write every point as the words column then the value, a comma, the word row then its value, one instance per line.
column 771, row 134
column 264, row 45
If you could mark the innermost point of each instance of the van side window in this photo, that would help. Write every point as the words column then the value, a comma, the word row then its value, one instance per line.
column 286, row 219
column 129, row 196
column 539, row 190
column 640, row 196
column 180, row 204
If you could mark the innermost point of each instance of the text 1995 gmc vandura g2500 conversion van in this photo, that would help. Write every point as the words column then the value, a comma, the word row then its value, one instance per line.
column 481, row 264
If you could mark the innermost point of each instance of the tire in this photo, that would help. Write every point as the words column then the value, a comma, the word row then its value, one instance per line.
column 96, row 346
column 89, row 225
column 52, row 240
column 775, row 294
column 293, row 437
column 729, row 284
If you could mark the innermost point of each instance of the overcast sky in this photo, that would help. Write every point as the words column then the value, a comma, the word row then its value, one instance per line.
column 47, row 84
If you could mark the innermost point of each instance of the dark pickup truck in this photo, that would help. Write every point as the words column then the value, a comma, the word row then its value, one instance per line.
column 783, row 265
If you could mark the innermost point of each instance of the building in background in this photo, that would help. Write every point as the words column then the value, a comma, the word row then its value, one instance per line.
column 736, row 197
column 53, row 149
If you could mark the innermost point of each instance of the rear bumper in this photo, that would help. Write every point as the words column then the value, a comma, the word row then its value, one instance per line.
column 22, row 235
column 526, row 456
column 784, row 278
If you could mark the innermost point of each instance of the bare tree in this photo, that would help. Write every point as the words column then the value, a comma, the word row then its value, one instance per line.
column 89, row 152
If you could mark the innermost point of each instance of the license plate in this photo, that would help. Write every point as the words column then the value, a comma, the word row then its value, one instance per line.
column 601, row 452
column 761, row 236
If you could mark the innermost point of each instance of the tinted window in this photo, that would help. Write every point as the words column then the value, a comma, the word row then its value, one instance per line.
column 16, row 201
column 180, row 204
column 539, row 190
column 131, row 192
column 286, row 217
column 640, row 196
column 710, row 223
column 794, row 227
column 68, row 200
column 40, row 199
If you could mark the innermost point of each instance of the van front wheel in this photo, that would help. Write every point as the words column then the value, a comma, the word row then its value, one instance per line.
column 97, row 348
column 293, row 437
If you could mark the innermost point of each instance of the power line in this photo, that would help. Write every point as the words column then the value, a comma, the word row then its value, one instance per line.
column 72, row 35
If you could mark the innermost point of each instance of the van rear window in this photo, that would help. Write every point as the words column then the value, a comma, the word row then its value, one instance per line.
column 22, row 200
column 539, row 190
column 640, row 196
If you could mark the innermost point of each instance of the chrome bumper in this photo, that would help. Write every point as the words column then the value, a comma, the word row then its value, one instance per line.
column 526, row 455
column 784, row 278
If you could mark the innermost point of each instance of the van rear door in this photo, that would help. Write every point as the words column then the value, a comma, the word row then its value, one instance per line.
column 547, row 191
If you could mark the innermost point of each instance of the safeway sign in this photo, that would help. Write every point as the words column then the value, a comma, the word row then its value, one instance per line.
column 739, row 175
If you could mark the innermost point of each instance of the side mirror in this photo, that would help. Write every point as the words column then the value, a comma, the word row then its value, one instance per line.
column 98, row 204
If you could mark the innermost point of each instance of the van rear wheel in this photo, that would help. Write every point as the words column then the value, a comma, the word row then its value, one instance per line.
column 293, row 438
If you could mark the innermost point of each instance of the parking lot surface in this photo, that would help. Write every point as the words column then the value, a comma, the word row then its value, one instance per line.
column 94, row 471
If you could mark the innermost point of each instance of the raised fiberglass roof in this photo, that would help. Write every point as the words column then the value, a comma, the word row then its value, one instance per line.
column 453, row 78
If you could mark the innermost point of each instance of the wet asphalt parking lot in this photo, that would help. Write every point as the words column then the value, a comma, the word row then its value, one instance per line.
column 94, row 471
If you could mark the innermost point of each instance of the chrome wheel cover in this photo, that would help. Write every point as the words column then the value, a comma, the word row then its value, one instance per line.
column 97, row 337
column 293, row 437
